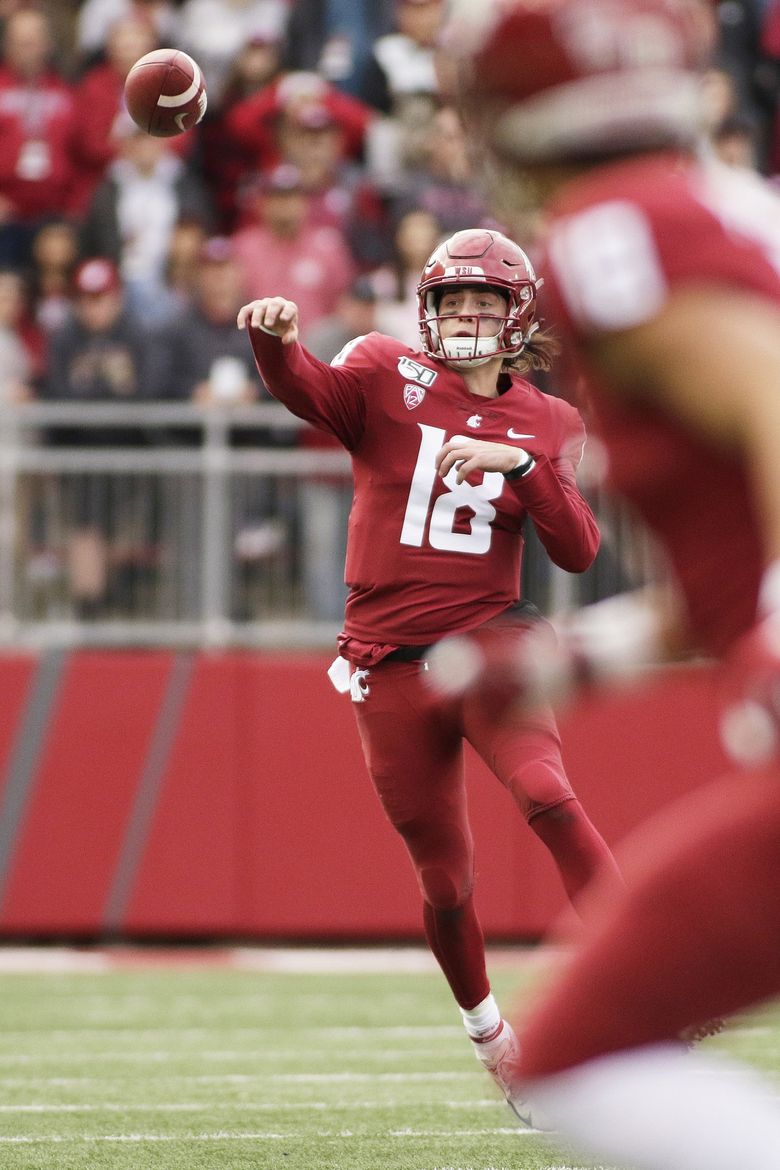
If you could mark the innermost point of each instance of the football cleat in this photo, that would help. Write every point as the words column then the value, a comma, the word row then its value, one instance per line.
column 499, row 1057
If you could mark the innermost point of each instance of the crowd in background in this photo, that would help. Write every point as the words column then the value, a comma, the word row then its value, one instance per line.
column 327, row 168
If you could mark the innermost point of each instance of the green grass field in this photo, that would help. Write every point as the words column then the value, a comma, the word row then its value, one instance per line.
column 219, row 1068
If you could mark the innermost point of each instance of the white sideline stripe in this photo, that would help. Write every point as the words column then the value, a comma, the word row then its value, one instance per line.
column 220, row 1136
column 313, row 960
column 282, row 960
column 58, row 959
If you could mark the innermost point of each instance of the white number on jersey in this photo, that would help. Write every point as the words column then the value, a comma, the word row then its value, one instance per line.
column 476, row 497
column 346, row 350
column 607, row 266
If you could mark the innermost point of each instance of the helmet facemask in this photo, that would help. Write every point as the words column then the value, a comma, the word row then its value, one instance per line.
column 478, row 258
column 506, row 332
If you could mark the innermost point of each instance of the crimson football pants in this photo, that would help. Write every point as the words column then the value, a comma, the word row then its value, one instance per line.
column 413, row 746
column 697, row 937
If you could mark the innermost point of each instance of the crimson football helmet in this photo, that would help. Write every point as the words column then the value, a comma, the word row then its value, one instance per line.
column 567, row 80
column 479, row 257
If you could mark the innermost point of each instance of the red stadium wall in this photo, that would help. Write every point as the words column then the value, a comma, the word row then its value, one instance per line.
column 156, row 793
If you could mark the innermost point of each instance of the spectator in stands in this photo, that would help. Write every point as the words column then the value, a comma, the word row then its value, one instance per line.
column 37, row 123
column 251, row 125
column 215, row 32
column 311, row 139
column 401, row 83
column 201, row 357
column 334, row 38
column 55, row 251
column 21, row 344
column 442, row 183
column 96, row 18
column 182, row 267
column 354, row 316
column 282, row 248
column 101, row 355
column 204, row 357
column 132, row 215
column 416, row 236
column 403, row 62
column 255, row 66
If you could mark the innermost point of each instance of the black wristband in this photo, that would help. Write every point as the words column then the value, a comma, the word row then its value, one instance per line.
column 523, row 469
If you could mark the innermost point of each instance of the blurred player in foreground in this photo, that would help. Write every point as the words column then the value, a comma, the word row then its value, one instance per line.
column 664, row 274
column 430, row 556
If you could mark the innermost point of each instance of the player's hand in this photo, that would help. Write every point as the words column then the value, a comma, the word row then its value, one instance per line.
column 750, row 713
column 469, row 455
column 272, row 314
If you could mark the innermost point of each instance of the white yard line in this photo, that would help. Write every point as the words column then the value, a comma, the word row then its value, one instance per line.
column 224, row 1106
column 227, row 1136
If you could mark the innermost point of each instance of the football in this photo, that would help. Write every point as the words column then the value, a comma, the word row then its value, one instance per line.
column 165, row 93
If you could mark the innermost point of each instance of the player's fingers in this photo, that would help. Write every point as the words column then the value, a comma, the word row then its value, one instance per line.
column 448, row 462
column 465, row 467
column 244, row 313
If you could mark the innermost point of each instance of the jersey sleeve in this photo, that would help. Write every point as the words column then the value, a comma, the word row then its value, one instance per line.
column 606, row 268
column 330, row 397
column 561, row 515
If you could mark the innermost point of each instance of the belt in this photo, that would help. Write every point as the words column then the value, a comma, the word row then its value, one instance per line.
column 408, row 653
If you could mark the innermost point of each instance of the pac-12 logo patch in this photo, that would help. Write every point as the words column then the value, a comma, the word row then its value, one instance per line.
column 416, row 372
column 413, row 395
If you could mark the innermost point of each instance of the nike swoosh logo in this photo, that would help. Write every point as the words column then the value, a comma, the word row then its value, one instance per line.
column 516, row 435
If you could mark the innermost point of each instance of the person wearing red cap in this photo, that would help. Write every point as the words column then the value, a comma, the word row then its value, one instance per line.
column 663, row 273
column 427, row 557
column 99, row 354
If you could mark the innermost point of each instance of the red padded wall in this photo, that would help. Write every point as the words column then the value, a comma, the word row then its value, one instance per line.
column 265, row 823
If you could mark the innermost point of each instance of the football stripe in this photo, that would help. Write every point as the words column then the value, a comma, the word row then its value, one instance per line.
column 181, row 99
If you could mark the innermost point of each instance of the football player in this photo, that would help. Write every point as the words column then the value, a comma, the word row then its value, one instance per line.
column 663, row 270
column 430, row 556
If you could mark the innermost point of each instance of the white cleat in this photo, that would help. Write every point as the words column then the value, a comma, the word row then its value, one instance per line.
column 499, row 1057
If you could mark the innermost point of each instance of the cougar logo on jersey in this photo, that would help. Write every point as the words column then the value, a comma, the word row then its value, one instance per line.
column 358, row 687
column 475, row 421
column 422, row 374
column 413, row 395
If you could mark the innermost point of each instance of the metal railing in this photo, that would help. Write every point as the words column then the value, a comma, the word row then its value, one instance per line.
column 198, row 526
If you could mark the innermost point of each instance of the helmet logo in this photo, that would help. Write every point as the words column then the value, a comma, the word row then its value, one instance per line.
column 413, row 396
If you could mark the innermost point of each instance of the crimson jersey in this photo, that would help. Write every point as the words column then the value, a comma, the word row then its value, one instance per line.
column 618, row 242
column 427, row 557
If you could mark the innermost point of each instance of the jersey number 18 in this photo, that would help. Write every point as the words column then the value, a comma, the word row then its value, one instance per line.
column 475, row 497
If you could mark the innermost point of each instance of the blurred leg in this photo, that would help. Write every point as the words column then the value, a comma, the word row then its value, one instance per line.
column 697, row 936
